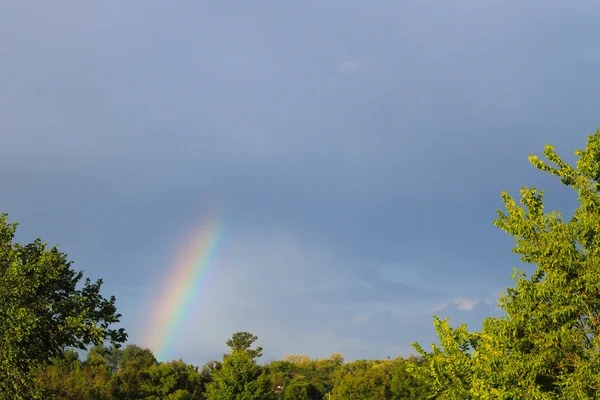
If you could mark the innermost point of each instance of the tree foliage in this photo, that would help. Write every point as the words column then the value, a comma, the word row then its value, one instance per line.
column 379, row 379
column 240, row 378
column 110, row 373
column 547, row 345
column 138, row 376
column 43, row 312
column 242, row 341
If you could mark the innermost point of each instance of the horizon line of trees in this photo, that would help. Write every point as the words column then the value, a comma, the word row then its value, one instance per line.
column 109, row 372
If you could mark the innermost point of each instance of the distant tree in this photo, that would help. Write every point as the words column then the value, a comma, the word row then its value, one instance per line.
column 212, row 366
column 364, row 380
column 136, row 357
column 179, row 395
column 240, row 378
column 209, row 370
column 172, row 379
column 43, row 312
column 337, row 358
column 547, row 346
column 297, row 359
column 63, row 378
column 133, row 378
column 109, row 356
column 403, row 386
column 282, row 366
column 243, row 341
column 304, row 390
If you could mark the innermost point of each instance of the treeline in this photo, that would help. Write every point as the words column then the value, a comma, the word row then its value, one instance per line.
column 108, row 372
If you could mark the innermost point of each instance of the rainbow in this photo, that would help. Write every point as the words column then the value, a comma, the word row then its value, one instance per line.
column 181, row 285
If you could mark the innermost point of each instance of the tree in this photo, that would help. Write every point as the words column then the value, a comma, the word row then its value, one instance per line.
column 297, row 359
column 173, row 378
column 242, row 341
column 547, row 345
column 133, row 378
column 43, row 312
column 65, row 378
column 364, row 380
column 403, row 386
column 179, row 395
column 240, row 378
column 102, row 355
column 337, row 358
column 304, row 390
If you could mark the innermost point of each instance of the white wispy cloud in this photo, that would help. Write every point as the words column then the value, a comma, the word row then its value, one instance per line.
column 439, row 307
column 465, row 304
column 350, row 66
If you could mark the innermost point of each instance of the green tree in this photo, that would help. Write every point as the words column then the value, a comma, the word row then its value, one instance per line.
column 133, row 377
column 175, row 377
column 211, row 367
column 242, row 341
column 64, row 378
column 102, row 355
column 304, row 390
column 364, row 380
column 179, row 395
column 43, row 312
column 240, row 378
column 403, row 386
column 547, row 345
column 337, row 358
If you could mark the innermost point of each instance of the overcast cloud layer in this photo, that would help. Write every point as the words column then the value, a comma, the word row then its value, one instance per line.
column 356, row 150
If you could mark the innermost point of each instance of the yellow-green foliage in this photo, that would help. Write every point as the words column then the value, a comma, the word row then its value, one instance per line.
column 547, row 345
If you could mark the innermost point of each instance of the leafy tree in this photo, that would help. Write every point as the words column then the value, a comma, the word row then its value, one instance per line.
column 280, row 373
column 304, row 390
column 179, row 395
column 42, row 311
column 379, row 379
column 282, row 366
column 337, row 358
column 133, row 378
column 173, row 378
column 97, row 382
column 211, row 367
column 64, row 377
column 403, row 386
column 102, row 355
column 240, row 378
column 298, row 359
column 364, row 380
column 139, row 376
column 242, row 341
column 547, row 345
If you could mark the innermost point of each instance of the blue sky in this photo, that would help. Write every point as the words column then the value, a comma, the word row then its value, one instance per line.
column 357, row 150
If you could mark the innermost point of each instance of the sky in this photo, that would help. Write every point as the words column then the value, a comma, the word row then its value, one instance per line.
column 355, row 151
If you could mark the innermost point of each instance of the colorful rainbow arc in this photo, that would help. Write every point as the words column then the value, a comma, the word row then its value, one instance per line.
column 184, row 279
